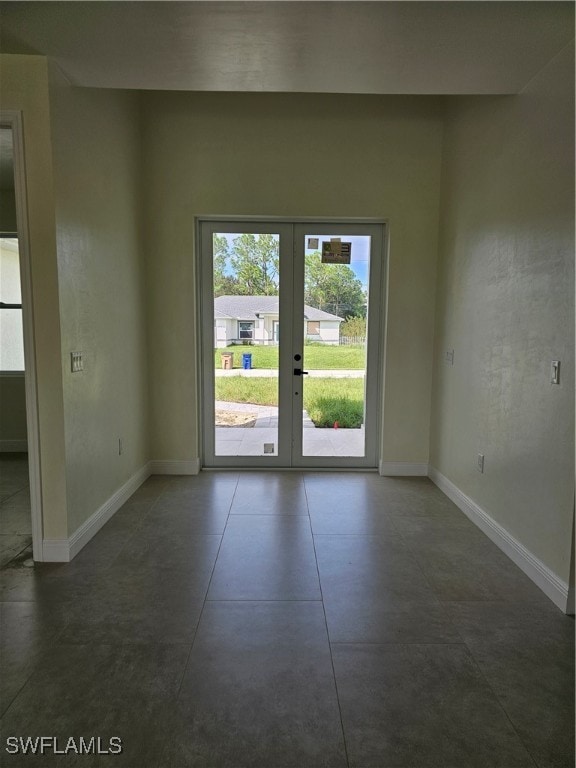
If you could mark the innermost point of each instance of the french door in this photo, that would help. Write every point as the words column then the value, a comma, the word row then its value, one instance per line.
column 292, row 316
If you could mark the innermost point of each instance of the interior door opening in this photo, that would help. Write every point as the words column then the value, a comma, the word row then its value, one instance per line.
column 18, row 524
column 290, row 349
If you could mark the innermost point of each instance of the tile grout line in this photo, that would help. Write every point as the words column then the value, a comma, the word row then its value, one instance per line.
column 397, row 642
column 431, row 583
column 17, row 554
column 327, row 634
column 24, row 487
column 475, row 662
column 263, row 600
column 133, row 532
column 55, row 639
column 207, row 590
column 442, row 604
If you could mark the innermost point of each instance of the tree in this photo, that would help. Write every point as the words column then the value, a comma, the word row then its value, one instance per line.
column 254, row 260
column 225, row 284
column 333, row 288
column 249, row 266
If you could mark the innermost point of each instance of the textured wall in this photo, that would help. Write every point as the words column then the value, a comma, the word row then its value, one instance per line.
column 96, row 137
column 291, row 155
column 506, row 308
column 24, row 87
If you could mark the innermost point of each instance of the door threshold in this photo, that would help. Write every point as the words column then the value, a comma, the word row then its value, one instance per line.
column 289, row 469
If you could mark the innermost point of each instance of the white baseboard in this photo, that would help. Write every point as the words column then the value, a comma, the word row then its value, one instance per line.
column 190, row 467
column 63, row 550
column 552, row 586
column 56, row 551
column 13, row 446
column 402, row 469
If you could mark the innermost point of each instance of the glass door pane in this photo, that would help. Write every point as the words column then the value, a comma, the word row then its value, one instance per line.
column 290, row 373
column 336, row 280
column 246, row 303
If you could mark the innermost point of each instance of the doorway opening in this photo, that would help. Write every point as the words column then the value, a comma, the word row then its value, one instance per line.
column 15, row 507
column 292, row 317
column 20, row 495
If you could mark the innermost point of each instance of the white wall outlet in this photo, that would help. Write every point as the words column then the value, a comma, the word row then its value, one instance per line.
column 449, row 357
column 480, row 462
column 76, row 362
column 555, row 372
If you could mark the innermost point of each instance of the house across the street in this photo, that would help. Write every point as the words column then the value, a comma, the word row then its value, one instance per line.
column 239, row 319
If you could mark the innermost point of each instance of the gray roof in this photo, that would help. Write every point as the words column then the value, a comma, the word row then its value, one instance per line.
column 246, row 307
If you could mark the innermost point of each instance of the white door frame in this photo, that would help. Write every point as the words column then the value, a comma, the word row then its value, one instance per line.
column 374, row 337
column 290, row 416
column 13, row 119
column 207, row 227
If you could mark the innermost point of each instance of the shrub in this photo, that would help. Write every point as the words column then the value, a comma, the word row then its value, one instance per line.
column 353, row 327
column 325, row 411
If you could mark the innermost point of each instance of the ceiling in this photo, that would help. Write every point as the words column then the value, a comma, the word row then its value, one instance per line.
column 462, row 47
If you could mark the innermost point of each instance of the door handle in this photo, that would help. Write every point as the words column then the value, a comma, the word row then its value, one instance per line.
column 300, row 372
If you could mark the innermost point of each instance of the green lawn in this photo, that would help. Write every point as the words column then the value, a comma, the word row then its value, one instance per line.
column 326, row 400
column 316, row 356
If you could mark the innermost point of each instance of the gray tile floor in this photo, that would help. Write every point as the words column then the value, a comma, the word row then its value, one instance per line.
column 288, row 620
column 15, row 514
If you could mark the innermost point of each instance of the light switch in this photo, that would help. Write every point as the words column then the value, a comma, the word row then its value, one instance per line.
column 449, row 357
column 76, row 362
column 555, row 372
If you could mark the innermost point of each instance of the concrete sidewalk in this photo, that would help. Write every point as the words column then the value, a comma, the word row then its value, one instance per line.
column 350, row 373
column 249, row 441
column 240, row 441
column 266, row 415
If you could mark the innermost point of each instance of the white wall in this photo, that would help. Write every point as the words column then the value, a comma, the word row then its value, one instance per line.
column 264, row 327
column 330, row 331
column 291, row 155
column 506, row 308
column 24, row 87
column 97, row 162
column 220, row 332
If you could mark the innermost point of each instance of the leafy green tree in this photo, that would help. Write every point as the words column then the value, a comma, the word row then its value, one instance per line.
column 333, row 288
column 250, row 266
column 254, row 260
column 225, row 284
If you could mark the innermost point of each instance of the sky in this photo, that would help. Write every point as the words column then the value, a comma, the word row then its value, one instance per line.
column 360, row 251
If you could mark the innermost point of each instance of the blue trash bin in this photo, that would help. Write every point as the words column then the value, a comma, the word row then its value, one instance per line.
column 247, row 360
